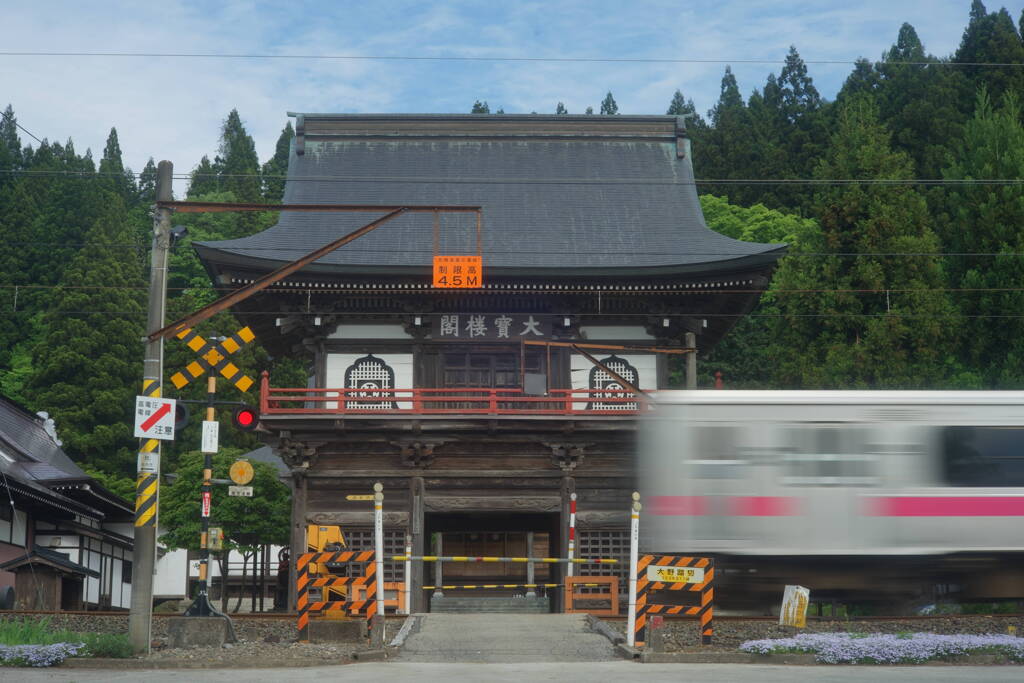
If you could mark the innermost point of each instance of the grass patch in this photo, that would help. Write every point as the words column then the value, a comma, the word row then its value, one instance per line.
column 14, row 632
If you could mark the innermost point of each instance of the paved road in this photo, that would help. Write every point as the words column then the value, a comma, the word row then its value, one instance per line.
column 540, row 673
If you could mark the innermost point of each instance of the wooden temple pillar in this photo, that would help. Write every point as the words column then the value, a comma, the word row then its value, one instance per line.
column 297, row 542
column 416, row 530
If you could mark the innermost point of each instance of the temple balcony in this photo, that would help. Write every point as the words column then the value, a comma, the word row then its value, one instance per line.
column 445, row 402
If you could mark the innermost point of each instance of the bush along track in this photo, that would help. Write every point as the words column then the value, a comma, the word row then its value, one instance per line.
column 889, row 648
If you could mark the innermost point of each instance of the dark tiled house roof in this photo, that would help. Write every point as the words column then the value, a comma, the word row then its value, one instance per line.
column 561, row 195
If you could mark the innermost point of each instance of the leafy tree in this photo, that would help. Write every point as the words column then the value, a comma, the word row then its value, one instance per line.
column 560, row 109
column 987, row 219
column 275, row 169
column 608, row 105
column 725, row 151
column 991, row 37
column 236, row 161
column 924, row 106
column 850, row 316
column 147, row 184
column 746, row 356
column 589, row 111
column 87, row 365
column 480, row 108
column 10, row 147
column 247, row 522
column 112, row 170
column 118, row 483
column 202, row 181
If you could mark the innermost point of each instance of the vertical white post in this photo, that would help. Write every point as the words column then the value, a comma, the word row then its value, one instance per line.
column 634, row 555
column 378, row 548
column 570, row 570
column 408, row 574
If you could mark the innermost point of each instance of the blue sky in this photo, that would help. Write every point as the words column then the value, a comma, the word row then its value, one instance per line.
column 172, row 108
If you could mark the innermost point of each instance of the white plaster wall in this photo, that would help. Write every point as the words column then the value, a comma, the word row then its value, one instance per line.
column 615, row 333
column 170, row 578
column 369, row 331
column 68, row 544
column 19, row 524
column 337, row 363
column 117, row 585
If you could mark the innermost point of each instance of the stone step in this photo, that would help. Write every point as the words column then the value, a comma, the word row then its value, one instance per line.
column 504, row 638
column 491, row 605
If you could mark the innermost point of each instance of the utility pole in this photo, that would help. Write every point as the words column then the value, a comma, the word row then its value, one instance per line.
column 147, row 483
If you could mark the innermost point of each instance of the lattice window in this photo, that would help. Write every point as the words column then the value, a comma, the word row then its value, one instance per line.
column 604, row 544
column 362, row 539
column 370, row 375
column 607, row 386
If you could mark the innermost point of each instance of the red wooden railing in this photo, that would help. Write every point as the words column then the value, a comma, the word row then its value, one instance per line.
column 483, row 401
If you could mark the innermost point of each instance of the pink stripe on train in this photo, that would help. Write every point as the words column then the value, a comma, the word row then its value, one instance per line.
column 945, row 506
column 732, row 506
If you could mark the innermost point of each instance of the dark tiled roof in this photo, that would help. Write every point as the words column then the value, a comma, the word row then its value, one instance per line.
column 587, row 195
column 52, row 558
column 34, row 462
column 265, row 454
column 23, row 431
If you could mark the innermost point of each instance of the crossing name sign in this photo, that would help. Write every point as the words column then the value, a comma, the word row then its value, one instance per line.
column 154, row 418
column 675, row 574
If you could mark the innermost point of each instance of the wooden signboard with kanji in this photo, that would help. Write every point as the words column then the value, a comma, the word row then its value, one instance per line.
column 458, row 272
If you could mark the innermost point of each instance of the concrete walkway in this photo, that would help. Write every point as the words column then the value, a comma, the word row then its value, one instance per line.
column 502, row 638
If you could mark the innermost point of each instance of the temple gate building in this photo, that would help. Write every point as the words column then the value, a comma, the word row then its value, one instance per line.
column 591, row 233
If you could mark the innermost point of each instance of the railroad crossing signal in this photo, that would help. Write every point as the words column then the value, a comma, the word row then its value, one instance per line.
column 214, row 357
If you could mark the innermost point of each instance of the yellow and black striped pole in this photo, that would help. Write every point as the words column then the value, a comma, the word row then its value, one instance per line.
column 147, row 483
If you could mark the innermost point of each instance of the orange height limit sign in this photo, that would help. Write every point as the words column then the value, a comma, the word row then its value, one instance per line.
column 460, row 272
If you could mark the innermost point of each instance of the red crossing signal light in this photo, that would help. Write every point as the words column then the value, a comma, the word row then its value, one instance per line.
column 246, row 418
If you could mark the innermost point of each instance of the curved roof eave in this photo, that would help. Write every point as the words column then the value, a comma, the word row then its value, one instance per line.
column 216, row 259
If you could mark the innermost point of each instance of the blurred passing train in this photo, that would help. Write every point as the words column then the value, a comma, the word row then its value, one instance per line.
column 890, row 496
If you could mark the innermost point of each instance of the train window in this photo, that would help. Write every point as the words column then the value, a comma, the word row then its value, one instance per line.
column 983, row 456
column 715, row 443
column 828, row 456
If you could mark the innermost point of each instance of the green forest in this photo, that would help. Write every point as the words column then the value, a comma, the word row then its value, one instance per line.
column 905, row 266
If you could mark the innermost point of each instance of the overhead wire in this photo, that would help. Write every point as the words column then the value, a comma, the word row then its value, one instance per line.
column 654, row 182
column 20, row 127
column 484, row 58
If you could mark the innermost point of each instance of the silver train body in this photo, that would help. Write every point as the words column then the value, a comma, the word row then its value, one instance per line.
column 857, row 490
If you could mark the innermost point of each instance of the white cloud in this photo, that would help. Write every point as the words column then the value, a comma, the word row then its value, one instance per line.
column 173, row 108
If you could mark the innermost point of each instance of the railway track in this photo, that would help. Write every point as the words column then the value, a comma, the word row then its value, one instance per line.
column 670, row 617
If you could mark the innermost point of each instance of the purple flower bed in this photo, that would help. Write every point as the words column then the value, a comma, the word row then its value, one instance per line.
column 38, row 655
column 888, row 648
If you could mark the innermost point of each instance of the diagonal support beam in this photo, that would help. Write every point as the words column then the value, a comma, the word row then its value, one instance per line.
column 244, row 293
column 614, row 375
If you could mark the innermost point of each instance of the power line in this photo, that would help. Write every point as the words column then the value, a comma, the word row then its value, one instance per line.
column 692, row 314
column 369, row 289
column 10, row 117
column 486, row 58
column 486, row 252
column 434, row 180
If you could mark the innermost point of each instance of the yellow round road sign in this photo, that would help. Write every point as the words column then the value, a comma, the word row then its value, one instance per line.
column 241, row 472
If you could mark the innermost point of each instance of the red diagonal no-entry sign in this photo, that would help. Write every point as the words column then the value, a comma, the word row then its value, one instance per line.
column 155, row 417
